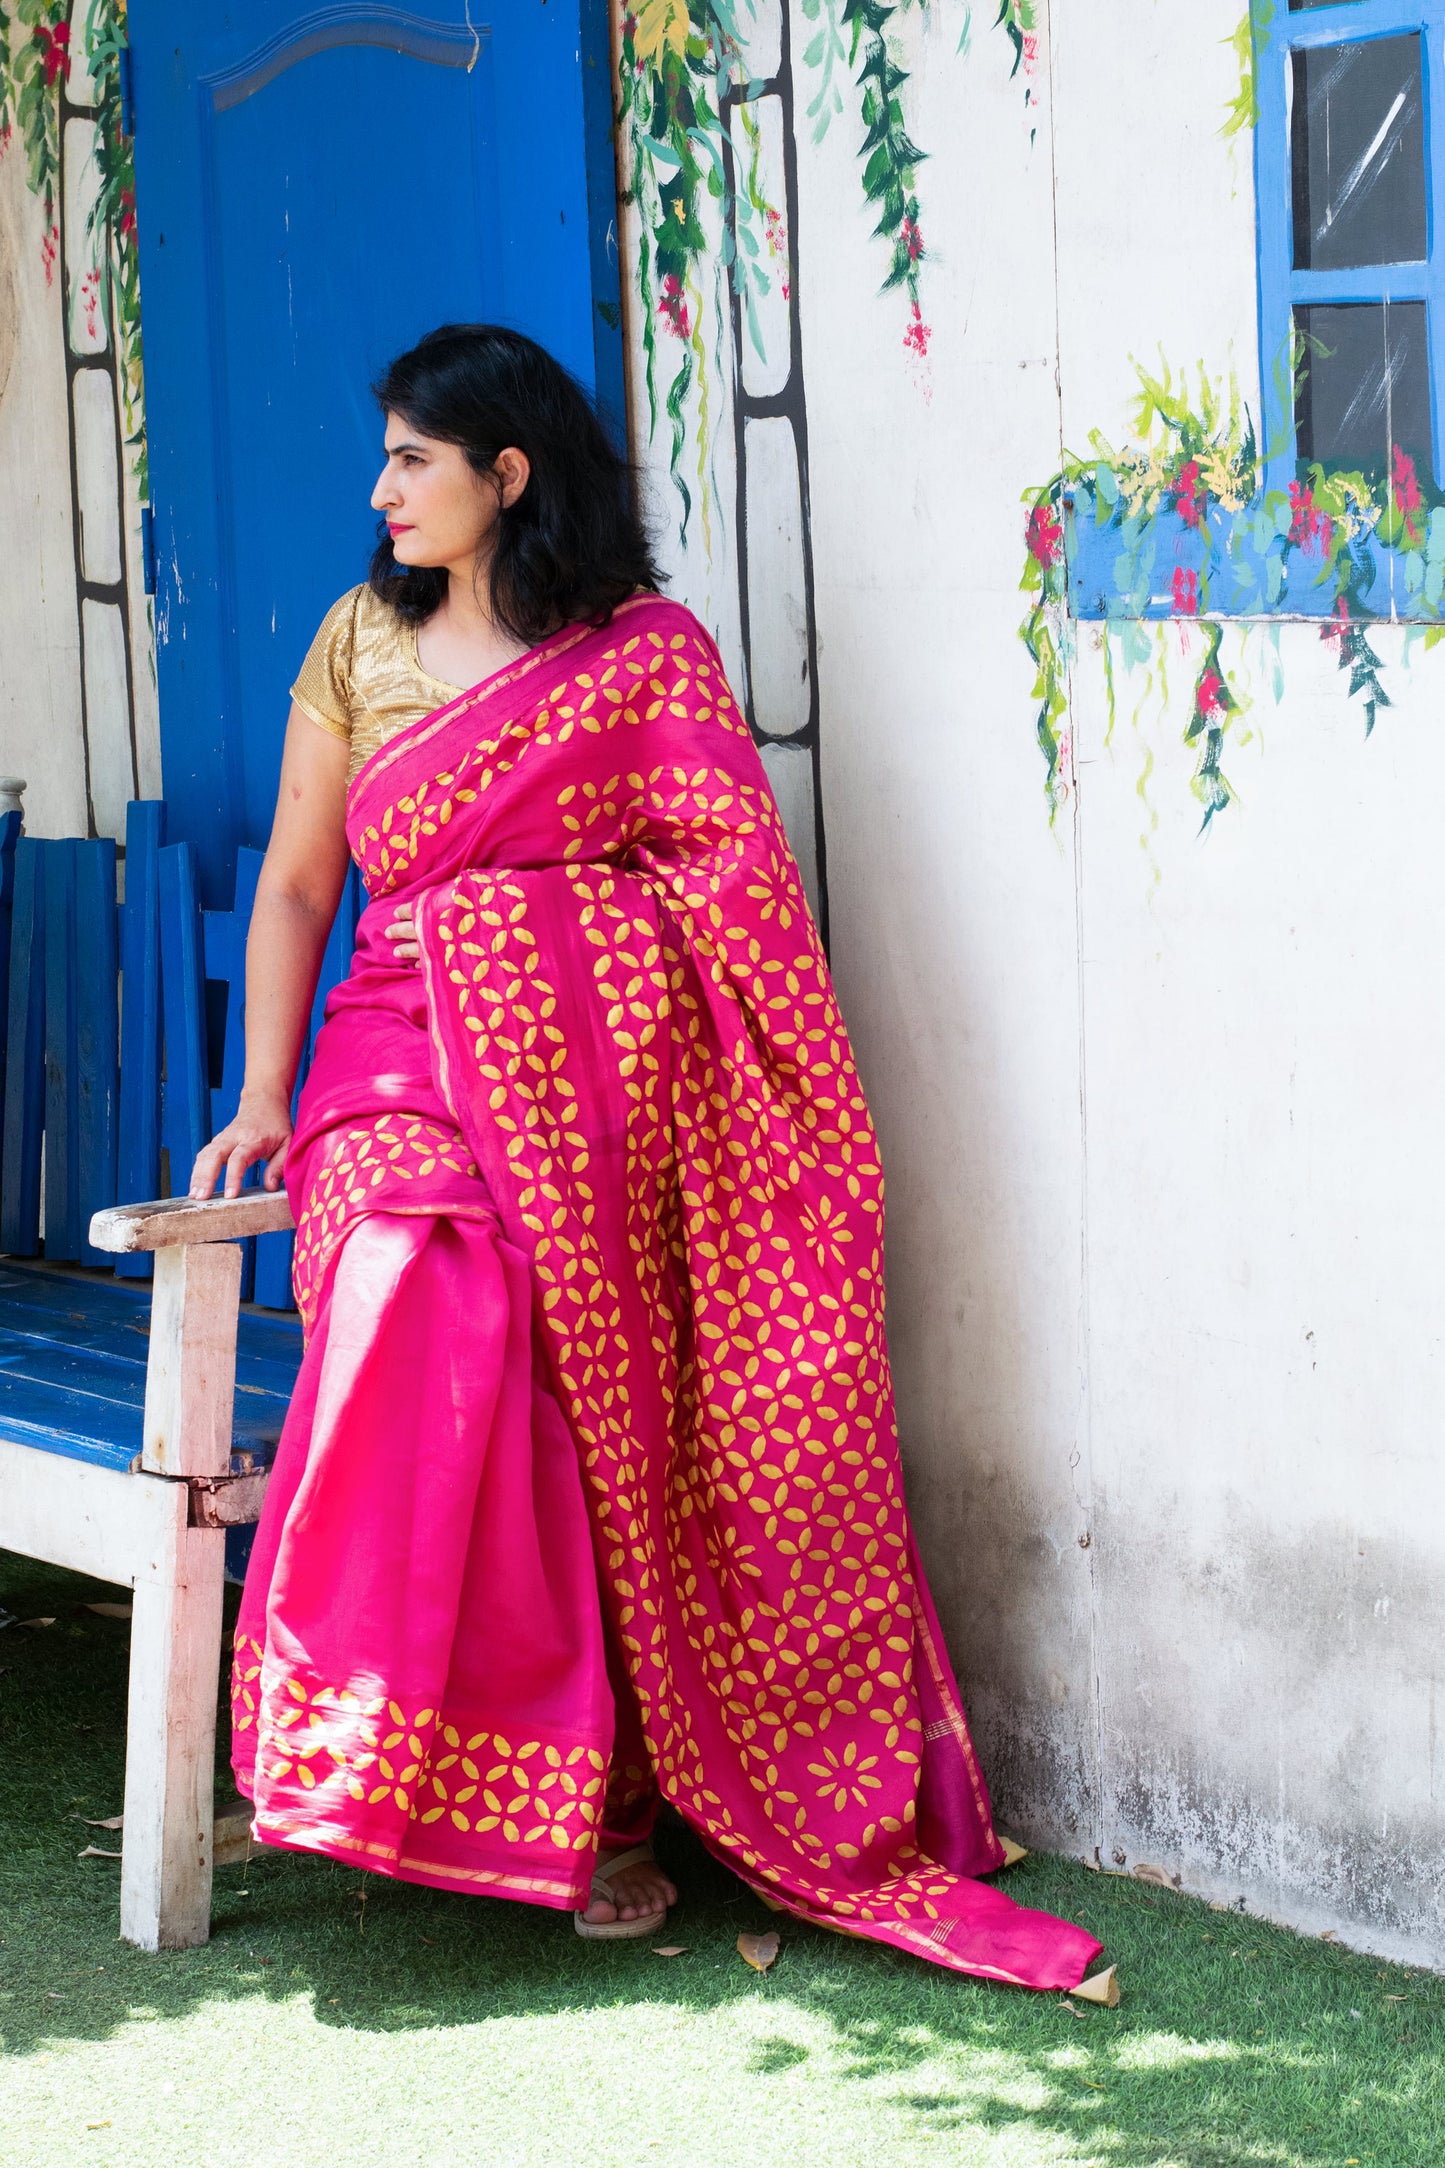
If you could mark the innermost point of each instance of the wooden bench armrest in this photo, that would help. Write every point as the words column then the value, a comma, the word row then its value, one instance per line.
column 169, row 1220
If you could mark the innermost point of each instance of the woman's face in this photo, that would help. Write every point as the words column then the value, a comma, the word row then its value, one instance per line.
column 439, row 510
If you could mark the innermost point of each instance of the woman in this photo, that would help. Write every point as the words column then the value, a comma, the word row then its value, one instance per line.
column 589, row 1491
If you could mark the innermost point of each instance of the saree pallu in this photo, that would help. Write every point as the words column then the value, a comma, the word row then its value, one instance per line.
column 590, row 1225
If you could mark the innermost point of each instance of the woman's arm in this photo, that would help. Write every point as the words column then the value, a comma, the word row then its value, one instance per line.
column 296, row 897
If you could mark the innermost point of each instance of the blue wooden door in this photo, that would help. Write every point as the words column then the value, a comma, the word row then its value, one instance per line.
column 316, row 187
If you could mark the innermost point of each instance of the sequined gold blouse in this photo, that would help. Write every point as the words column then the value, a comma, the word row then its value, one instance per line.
column 361, row 679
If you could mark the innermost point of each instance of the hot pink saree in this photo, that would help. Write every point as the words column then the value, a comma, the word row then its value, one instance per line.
column 589, row 1257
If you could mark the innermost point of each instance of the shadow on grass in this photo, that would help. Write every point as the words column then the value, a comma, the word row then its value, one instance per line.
column 1236, row 2042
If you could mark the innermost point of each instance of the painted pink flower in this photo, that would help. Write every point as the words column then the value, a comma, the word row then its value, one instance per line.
column 1186, row 591
column 1030, row 51
column 917, row 334
column 1307, row 523
column 1209, row 695
column 49, row 243
column 1407, row 490
column 127, row 213
column 912, row 239
column 777, row 233
column 1045, row 534
column 54, row 41
column 1189, row 498
column 672, row 308
column 1338, row 626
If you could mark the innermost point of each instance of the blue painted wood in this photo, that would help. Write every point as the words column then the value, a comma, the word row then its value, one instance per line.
column 96, row 970
column 62, row 1080
column 80, row 1391
column 25, row 1058
column 274, row 1252
column 267, row 313
column 226, row 933
column 70, row 1311
column 139, row 1168
column 9, row 837
column 186, row 1095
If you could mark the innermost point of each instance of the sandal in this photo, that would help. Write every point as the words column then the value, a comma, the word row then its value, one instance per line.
column 618, row 1930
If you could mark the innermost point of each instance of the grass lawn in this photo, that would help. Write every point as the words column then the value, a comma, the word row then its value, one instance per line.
column 336, row 2017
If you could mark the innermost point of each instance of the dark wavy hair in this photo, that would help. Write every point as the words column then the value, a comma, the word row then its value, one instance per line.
column 572, row 546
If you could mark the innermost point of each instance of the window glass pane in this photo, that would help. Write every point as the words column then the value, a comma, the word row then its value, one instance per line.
column 1364, row 384
column 1358, row 154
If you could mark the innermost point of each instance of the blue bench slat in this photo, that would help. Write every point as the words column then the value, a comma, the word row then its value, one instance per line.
column 128, row 1343
column 59, row 1299
column 95, row 976
column 62, row 1095
column 9, row 837
column 56, row 1421
column 72, row 1368
column 186, row 1096
column 139, row 1157
column 225, row 935
column 25, row 1059
column 114, row 1381
column 57, row 1415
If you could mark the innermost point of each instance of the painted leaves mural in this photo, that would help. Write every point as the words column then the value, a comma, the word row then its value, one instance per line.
column 38, row 62
column 683, row 63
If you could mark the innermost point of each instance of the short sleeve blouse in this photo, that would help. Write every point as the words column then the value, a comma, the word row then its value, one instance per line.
column 361, row 679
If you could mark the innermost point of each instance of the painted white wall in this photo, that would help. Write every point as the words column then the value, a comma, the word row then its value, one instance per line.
column 1159, row 1111
column 40, row 727
column 43, row 735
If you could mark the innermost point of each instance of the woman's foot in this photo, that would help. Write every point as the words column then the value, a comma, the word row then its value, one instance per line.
column 637, row 1892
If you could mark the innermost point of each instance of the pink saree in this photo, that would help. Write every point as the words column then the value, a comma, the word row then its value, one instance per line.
column 590, row 1488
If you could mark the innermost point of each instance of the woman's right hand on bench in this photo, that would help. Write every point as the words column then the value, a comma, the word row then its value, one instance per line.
column 261, row 1130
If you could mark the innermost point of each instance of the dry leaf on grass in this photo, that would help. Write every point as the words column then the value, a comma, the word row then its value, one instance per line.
column 112, row 1821
column 37, row 1622
column 759, row 1951
column 1328, row 1935
column 108, row 1610
column 672, row 1949
column 93, row 1851
column 1159, row 1876
column 1072, row 2008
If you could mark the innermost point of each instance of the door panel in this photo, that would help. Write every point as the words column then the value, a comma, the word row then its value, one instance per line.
column 315, row 189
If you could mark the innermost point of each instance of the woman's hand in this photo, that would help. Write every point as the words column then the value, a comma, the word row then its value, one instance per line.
column 401, row 933
column 261, row 1130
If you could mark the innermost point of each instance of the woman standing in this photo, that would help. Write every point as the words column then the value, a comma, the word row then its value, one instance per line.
column 589, row 1491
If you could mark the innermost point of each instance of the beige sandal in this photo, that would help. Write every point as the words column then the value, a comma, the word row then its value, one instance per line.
column 618, row 1930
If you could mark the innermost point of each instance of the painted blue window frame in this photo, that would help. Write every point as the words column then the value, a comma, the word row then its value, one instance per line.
column 1279, row 32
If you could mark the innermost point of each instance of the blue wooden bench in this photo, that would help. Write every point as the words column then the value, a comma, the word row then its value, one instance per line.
column 137, row 1422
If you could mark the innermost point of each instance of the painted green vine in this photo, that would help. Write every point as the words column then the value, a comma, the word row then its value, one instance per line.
column 35, row 60
column 1179, row 527
column 678, row 59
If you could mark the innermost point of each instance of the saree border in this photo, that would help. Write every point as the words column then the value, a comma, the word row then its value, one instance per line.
column 416, row 734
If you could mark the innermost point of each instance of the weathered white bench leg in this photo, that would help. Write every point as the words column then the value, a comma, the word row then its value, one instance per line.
column 175, row 1655
column 175, row 1650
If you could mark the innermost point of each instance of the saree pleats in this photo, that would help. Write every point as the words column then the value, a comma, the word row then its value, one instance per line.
column 636, row 1056
column 420, row 1681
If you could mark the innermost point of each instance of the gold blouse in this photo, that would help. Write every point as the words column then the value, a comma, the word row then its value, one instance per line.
column 361, row 679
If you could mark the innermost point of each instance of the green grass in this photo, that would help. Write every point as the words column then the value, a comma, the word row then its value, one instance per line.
column 419, row 2028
